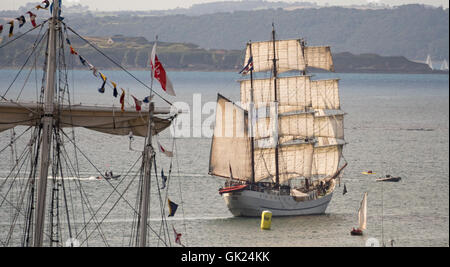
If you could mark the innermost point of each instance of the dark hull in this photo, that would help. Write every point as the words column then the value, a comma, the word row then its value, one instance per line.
column 391, row 179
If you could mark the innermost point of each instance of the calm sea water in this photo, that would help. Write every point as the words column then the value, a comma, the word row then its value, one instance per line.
column 396, row 124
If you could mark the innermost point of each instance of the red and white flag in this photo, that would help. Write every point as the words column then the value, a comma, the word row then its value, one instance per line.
column 163, row 150
column 159, row 73
column 32, row 18
column 137, row 102
column 177, row 236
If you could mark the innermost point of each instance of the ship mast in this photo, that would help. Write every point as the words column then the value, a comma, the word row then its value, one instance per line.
column 147, row 158
column 275, row 75
column 47, row 126
column 252, row 105
column 146, row 184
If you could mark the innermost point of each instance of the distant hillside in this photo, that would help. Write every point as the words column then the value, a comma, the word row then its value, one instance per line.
column 412, row 31
column 134, row 52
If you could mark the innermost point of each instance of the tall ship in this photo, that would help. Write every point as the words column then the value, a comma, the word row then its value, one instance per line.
column 280, row 148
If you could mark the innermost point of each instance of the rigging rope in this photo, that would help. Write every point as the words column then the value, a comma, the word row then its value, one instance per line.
column 117, row 64
column 36, row 43
column 25, row 33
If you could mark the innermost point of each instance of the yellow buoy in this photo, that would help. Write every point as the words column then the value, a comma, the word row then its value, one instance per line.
column 266, row 220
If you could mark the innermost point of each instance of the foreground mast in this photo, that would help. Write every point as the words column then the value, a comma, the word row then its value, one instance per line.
column 47, row 125
column 146, row 184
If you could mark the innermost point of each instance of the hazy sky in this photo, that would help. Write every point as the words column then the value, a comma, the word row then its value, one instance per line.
column 108, row 5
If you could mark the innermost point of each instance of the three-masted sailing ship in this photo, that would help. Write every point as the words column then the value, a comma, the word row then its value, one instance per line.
column 280, row 149
column 36, row 215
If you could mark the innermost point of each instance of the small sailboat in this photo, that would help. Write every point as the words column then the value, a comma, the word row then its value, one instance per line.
column 362, row 217
column 429, row 62
column 444, row 65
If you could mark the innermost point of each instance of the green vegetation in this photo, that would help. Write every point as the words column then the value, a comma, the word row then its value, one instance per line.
column 134, row 53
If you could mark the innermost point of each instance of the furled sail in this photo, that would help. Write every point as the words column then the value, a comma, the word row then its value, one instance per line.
column 230, row 148
column 294, row 93
column 109, row 120
column 290, row 56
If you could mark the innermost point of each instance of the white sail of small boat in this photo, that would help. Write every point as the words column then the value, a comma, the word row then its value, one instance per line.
column 429, row 62
column 444, row 65
column 362, row 217
column 284, row 141
column 362, row 213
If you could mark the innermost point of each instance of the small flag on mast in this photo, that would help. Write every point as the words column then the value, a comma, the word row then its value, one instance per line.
column 164, row 179
column 163, row 150
column 122, row 100
column 72, row 51
column 137, row 102
column 82, row 60
column 46, row 4
column 147, row 99
column 177, row 236
column 159, row 73
column 172, row 208
column 248, row 67
column 115, row 93
column 102, row 89
column 32, row 18
column 11, row 29
column 21, row 20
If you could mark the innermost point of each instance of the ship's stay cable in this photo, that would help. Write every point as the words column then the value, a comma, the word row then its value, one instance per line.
column 121, row 197
column 163, row 225
column 15, row 139
column 35, row 45
column 23, row 34
column 175, row 149
column 21, row 194
column 40, row 43
column 118, row 65
column 84, row 198
column 115, row 203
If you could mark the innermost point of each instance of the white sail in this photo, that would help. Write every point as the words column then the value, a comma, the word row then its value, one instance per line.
column 290, row 55
column 444, row 65
column 294, row 161
column 307, row 125
column 429, row 62
column 362, row 213
column 103, row 119
column 325, row 94
column 326, row 159
column 230, row 146
column 329, row 126
column 294, row 93
column 319, row 57
column 300, row 125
